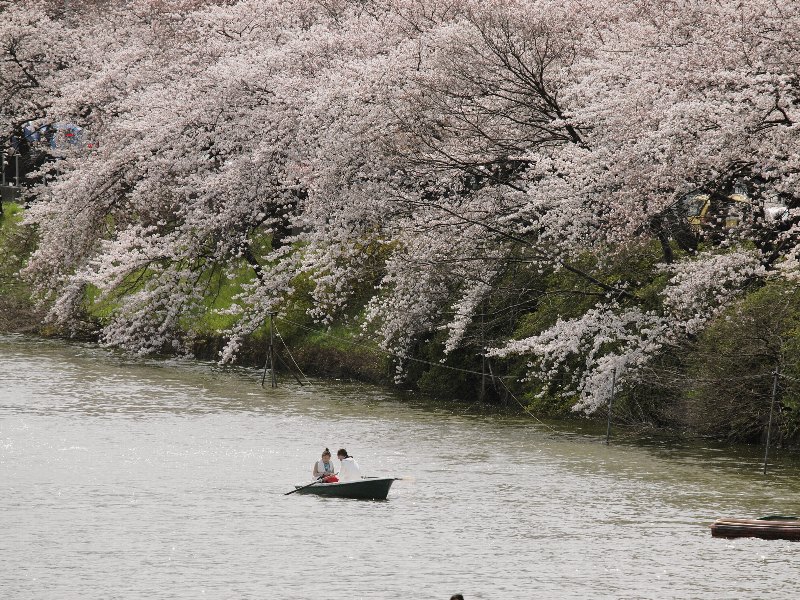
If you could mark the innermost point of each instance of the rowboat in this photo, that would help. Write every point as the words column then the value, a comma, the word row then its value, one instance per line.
column 776, row 527
column 368, row 488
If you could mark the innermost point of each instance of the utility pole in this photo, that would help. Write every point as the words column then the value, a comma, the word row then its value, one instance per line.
column 771, row 409
column 611, row 403
column 270, row 362
column 273, row 374
column 483, row 361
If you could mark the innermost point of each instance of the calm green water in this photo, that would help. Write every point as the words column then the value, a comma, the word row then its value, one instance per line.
column 129, row 478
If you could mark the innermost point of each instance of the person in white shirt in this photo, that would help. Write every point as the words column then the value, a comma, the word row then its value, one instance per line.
column 349, row 471
column 324, row 468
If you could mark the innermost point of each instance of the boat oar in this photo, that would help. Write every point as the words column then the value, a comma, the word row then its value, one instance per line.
column 305, row 486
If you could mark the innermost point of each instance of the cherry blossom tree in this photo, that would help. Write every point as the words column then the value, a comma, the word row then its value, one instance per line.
column 419, row 149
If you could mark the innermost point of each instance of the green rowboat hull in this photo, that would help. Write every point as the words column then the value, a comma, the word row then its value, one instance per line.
column 373, row 488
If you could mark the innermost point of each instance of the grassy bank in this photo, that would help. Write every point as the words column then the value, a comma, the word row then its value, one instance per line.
column 17, row 311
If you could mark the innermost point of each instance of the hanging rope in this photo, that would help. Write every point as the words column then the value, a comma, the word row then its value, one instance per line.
column 289, row 352
column 493, row 377
column 387, row 352
column 422, row 361
column 525, row 408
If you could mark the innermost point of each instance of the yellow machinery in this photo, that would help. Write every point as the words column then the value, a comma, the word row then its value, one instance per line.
column 702, row 210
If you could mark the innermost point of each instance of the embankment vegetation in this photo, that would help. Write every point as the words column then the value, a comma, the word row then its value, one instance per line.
column 718, row 384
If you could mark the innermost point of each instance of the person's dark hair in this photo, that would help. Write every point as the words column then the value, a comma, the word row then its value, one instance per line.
column 341, row 452
column 456, row 597
column 326, row 451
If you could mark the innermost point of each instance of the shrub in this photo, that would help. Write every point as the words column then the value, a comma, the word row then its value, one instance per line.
column 731, row 367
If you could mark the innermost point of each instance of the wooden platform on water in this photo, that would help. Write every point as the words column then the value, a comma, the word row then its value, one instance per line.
column 767, row 528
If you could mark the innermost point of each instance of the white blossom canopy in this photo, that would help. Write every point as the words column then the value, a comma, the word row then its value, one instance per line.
column 419, row 147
